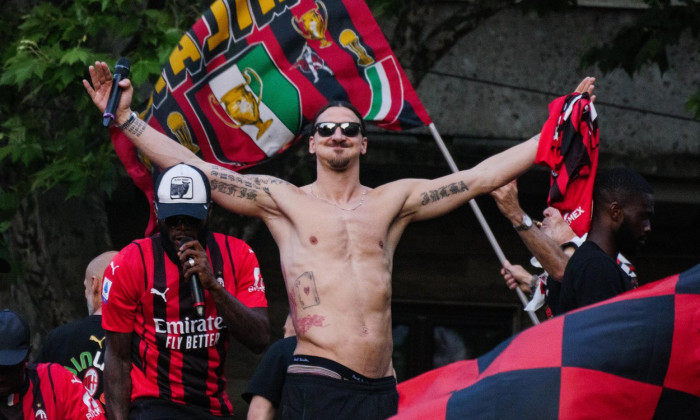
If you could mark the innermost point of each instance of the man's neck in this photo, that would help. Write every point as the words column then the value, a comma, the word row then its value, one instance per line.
column 338, row 186
column 604, row 239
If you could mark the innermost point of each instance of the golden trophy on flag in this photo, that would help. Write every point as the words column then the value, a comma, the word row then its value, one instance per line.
column 242, row 105
column 312, row 24
column 176, row 124
column 349, row 39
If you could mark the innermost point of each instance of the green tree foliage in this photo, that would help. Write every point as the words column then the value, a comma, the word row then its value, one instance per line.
column 50, row 133
column 647, row 39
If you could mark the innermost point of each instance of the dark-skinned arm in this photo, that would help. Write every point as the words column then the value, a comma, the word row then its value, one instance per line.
column 250, row 326
column 117, row 375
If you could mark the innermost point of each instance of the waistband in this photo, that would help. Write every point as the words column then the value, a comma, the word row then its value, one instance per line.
column 314, row 365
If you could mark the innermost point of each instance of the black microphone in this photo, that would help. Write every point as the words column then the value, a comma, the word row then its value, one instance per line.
column 195, row 285
column 121, row 72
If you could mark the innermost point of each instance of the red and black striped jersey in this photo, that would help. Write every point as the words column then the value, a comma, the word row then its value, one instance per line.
column 569, row 147
column 54, row 393
column 176, row 355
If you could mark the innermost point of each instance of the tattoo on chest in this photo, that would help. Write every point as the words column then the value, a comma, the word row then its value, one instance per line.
column 432, row 196
column 305, row 290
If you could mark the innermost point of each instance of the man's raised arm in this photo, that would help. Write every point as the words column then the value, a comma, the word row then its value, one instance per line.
column 165, row 152
column 432, row 198
column 159, row 148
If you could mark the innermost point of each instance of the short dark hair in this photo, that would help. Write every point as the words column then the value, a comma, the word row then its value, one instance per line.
column 341, row 104
column 619, row 184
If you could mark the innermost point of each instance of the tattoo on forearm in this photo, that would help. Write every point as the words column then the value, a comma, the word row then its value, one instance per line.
column 443, row 192
column 305, row 288
column 137, row 127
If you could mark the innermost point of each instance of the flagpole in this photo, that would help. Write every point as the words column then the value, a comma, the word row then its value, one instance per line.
column 480, row 217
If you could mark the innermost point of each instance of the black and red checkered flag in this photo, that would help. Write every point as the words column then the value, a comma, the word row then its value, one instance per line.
column 248, row 76
column 569, row 147
column 635, row 356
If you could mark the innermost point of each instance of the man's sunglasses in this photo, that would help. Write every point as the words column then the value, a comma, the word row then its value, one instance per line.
column 326, row 129
column 174, row 221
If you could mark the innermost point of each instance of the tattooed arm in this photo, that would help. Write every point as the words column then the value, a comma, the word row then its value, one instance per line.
column 250, row 195
column 436, row 197
column 432, row 198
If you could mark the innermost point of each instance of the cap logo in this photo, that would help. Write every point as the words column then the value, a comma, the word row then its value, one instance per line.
column 180, row 188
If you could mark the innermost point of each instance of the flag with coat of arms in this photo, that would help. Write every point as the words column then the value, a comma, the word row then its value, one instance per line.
column 248, row 77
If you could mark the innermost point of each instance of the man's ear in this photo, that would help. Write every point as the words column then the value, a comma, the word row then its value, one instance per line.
column 616, row 212
column 96, row 286
column 312, row 146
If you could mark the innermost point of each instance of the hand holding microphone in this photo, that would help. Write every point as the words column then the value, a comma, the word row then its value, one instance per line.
column 105, row 92
column 121, row 72
column 195, row 285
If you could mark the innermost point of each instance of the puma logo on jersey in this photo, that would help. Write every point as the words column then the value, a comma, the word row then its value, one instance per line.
column 114, row 267
column 97, row 340
column 154, row 291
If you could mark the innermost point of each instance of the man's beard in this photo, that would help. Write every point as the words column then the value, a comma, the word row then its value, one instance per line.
column 339, row 163
column 627, row 243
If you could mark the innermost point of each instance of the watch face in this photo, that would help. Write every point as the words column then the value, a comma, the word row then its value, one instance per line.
column 526, row 224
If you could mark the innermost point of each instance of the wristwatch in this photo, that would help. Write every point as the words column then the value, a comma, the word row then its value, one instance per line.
column 525, row 225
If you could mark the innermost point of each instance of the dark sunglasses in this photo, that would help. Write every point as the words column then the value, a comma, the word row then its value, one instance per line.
column 326, row 129
column 179, row 220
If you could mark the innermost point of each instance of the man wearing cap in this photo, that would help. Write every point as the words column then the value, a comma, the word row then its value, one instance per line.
column 79, row 345
column 37, row 391
column 164, row 359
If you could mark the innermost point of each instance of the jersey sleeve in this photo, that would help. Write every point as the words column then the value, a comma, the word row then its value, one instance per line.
column 72, row 399
column 122, row 288
column 249, row 287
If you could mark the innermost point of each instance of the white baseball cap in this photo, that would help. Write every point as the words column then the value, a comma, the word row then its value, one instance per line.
column 182, row 190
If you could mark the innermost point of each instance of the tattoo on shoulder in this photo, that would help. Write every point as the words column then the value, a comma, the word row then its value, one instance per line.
column 432, row 196
column 305, row 290
column 137, row 127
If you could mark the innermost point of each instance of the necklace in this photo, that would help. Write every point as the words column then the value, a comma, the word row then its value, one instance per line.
column 362, row 199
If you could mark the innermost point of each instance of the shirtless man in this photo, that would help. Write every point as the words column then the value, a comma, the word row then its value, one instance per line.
column 336, row 240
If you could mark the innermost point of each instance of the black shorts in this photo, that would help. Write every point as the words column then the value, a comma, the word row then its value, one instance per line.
column 157, row 409
column 318, row 388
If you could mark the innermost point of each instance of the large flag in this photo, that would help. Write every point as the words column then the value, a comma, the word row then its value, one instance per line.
column 246, row 79
column 636, row 356
column 569, row 147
